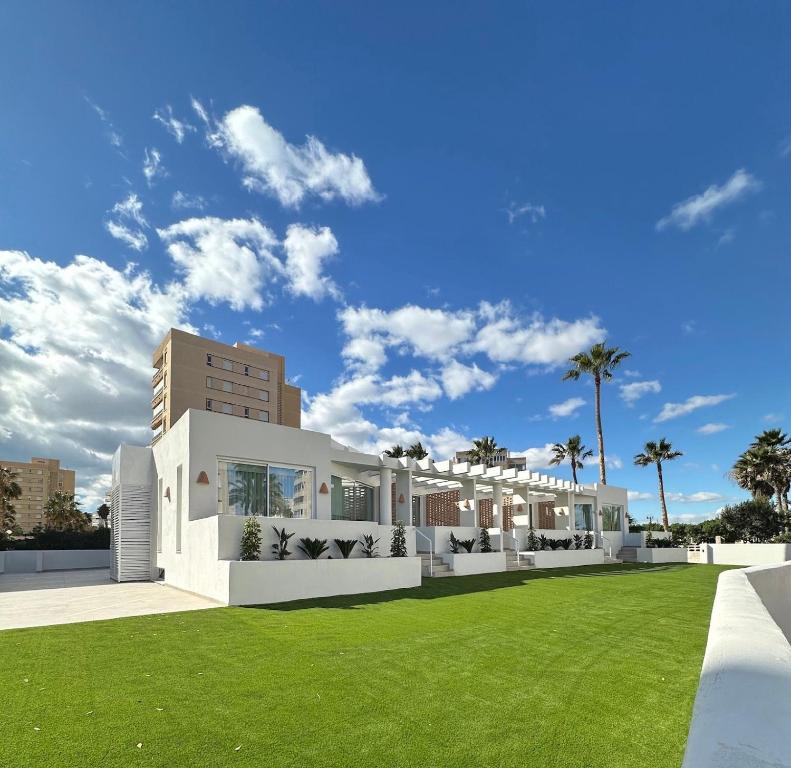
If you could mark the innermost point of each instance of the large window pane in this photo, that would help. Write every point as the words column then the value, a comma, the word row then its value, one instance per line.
column 583, row 517
column 611, row 517
column 290, row 492
column 243, row 488
column 351, row 500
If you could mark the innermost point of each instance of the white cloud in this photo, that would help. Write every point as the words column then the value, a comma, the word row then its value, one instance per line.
column 566, row 408
column 183, row 201
column 674, row 410
column 695, row 498
column 289, row 172
column 632, row 392
column 76, row 359
column 307, row 250
column 773, row 417
column 638, row 496
column 127, row 223
column 224, row 260
column 178, row 129
column 712, row 428
column 459, row 379
column 152, row 166
column 113, row 136
column 697, row 208
column 534, row 212
column 539, row 457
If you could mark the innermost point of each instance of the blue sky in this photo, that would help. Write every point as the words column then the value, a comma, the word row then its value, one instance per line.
column 488, row 189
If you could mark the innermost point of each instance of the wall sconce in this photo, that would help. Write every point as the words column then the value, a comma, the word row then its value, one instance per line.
column 401, row 499
column 324, row 488
column 466, row 504
column 203, row 478
column 167, row 493
column 520, row 508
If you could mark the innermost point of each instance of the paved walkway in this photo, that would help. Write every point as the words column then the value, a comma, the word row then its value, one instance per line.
column 65, row 597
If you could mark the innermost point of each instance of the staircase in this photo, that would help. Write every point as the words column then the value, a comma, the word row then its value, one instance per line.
column 628, row 555
column 524, row 563
column 432, row 562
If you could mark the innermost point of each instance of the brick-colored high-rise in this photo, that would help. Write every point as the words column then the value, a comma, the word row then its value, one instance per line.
column 240, row 380
column 39, row 479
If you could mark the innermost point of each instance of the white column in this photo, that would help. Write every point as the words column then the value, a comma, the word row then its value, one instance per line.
column 530, row 519
column 572, row 516
column 467, row 516
column 385, row 496
column 404, row 488
column 497, row 510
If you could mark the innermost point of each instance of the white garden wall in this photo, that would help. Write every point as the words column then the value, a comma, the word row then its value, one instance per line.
column 743, row 706
column 662, row 555
column 33, row 561
column 258, row 582
column 746, row 554
column 440, row 537
column 476, row 562
column 568, row 558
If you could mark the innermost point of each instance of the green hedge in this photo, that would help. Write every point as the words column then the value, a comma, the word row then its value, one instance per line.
column 98, row 538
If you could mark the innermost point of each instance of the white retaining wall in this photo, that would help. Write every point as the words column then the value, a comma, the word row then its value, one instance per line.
column 662, row 555
column 440, row 537
column 33, row 561
column 746, row 554
column 477, row 562
column 257, row 582
column 743, row 706
column 568, row 558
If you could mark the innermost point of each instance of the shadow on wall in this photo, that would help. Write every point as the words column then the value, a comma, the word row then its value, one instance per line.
column 432, row 589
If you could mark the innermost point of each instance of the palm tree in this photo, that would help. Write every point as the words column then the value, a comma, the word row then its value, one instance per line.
column 396, row 452
column 416, row 451
column 764, row 468
column 63, row 512
column 483, row 451
column 103, row 512
column 599, row 361
column 572, row 450
column 9, row 490
column 656, row 453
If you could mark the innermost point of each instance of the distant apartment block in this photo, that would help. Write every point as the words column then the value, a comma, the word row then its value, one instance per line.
column 238, row 380
column 39, row 479
column 503, row 458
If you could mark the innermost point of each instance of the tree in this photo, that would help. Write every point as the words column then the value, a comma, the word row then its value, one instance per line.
column 10, row 490
column 396, row 452
column 398, row 540
column 753, row 520
column 483, row 451
column 572, row 450
column 599, row 361
column 250, row 545
column 63, row 513
column 416, row 451
column 656, row 453
column 103, row 512
column 764, row 469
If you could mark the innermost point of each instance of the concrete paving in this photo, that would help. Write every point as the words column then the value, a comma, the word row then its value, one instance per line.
column 66, row 597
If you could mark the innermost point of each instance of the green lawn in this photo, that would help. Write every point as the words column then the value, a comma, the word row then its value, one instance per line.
column 581, row 667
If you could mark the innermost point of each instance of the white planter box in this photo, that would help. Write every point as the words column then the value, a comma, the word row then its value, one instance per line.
column 475, row 562
column 746, row 554
column 568, row 558
column 662, row 555
column 257, row 582
column 33, row 561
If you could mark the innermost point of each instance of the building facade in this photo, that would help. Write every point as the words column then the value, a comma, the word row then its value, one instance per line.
column 502, row 458
column 39, row 478
column 237, row 380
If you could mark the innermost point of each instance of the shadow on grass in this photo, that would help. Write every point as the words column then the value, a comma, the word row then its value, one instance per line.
column 433, row 588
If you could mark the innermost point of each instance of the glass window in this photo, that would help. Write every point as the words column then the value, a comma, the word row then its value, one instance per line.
column 263, row 415
column 227, row 386
column 611, row 517
column 208, row 405
column 247, row 370
column 263, row 394
column 583, row 517
column 227, row 408
column 351, row 500
column 290, row 492
column 227, row 365
column 270, row 491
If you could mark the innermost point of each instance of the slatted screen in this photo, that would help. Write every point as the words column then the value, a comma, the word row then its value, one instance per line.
column 130, row 510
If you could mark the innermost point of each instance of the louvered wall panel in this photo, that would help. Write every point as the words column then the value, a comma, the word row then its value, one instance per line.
column 131, row 543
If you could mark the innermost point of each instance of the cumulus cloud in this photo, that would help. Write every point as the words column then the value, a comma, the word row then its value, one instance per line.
column 566, row 408
column 126, row 222
column 712, row 428
column 674, row 410
column 307, row 249
column 178, row 129
column 533, row 212
column 633, row 391
column 76, row 356
column 639, row 496
column 459, row 379
column 287, row 171
column 152, row 166
column 695, row 498
column 183, row 201
column 697, row 208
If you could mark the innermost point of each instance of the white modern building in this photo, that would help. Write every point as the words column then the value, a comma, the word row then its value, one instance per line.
column 179, row 507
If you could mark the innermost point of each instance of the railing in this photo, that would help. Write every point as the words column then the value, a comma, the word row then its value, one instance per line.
column 157, row 377
column 430, row 552
column 609, row 544
column 516, row 547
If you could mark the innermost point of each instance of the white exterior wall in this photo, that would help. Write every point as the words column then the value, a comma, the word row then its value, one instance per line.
column 440, row 537
column 568, row 558
column 477, row 562
column 745, row 554
column 662, row 555
column 37, row 560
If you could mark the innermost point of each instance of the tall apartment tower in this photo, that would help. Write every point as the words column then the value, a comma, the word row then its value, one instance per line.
column 239, row 380
column 39, row 479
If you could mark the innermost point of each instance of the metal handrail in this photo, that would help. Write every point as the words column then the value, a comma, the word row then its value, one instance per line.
column 609, row 544
column 516, row 547
column 430, row 552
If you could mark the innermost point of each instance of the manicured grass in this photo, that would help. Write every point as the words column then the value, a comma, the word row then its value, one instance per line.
column 577, row 668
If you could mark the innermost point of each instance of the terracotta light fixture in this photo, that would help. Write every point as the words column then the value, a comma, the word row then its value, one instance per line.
column 401, row 499
column 466, row 503
column 203, row 478
column 520, row 508
column 167, row 493
column 324, row 488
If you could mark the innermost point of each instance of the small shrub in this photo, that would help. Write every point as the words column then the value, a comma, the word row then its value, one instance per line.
column 587, row 541
column 555, row 544
column 250, row 546
column 369, row 545
column 454, row 544
column 346, row 546
column 578, row 541
column 532, row 543
column 398, row 540
column 313, row 548
column 486, row 542
column 281, row 547
column 782, row 538
column 653, row 543
column 566, row 543
column 467, row 544
column 543, row 542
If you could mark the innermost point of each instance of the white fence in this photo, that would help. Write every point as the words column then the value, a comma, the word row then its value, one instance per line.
column 36, row 560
